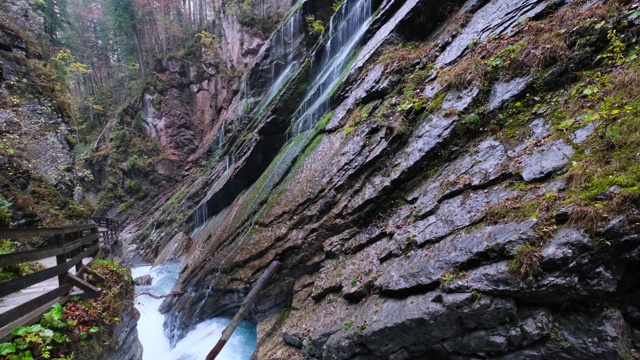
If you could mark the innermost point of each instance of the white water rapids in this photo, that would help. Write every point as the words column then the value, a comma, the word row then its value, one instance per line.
column 199, row 341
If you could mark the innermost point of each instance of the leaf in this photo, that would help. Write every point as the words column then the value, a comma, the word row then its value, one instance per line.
column 615, row 112
column 19, row 331
column 566, row 124
column 83, row 335
column 94, row 329
column 7, row 348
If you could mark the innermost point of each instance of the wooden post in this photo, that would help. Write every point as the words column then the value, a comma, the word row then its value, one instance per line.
column 61, row 259
column 248, row 302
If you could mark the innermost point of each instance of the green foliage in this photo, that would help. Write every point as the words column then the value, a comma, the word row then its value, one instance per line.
column 75, row 328
column 337, row 5
column 55, row 17
column 5, row 212
column 557, row 337
column 120, row 139
column 347, row 325
column 37, row 340
column 133, row 187
column 16, row 271
column 316, row 27
column 66, row 67
column 210, row 45
column 137, row 164
column 449, row 277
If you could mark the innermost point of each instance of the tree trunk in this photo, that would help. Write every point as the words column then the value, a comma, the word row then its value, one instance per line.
column 136, row 38
column 248, row 302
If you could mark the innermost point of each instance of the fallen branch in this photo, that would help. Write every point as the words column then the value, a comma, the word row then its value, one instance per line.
column 248, row 302
column 159, row 296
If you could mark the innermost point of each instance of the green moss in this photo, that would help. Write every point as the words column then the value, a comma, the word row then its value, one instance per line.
column 324, row 121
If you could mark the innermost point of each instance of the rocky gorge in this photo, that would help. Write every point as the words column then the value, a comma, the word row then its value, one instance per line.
column 460, row 196
column 439, row 179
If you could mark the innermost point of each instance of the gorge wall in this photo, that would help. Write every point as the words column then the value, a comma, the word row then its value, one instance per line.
column 39, row 184
column 468, row 189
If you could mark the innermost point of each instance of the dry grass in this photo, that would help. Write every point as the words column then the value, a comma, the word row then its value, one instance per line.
column 525, row 262
column 568, row 35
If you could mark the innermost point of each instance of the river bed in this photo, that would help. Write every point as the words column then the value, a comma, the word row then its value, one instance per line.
column 199, row 341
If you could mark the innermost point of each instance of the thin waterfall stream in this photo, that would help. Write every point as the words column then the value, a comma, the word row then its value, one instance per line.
column 353, row 20
column 200, row 340
column 346, row 29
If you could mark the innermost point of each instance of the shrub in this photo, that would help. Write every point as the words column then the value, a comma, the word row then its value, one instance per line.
column 5, row 212
column 525, row 261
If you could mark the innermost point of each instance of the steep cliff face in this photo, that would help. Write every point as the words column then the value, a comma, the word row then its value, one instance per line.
column 37, row 177
column 467, row 190
column 186, row 107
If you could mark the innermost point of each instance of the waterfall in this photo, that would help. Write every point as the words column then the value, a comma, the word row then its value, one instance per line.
column 200, row 217
column 231, row 160
column 283, row 60
column 346, row 28
column 283, row 65
column 220, row 137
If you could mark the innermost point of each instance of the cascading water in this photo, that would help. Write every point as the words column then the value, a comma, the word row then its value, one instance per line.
column 200, row 217
column 283, row 66
column 352, row 21
column 220, row 137
column 199, row 341
column 231, row 160
column 346, row 28
column 283, row 61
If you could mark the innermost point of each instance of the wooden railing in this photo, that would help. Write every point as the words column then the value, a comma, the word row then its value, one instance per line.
column 109, row 231
column 70, row 246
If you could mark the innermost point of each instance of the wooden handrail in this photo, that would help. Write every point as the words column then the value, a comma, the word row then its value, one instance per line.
column 72, row 244
column 108, row 236
column 38, row 254
column 22, row 233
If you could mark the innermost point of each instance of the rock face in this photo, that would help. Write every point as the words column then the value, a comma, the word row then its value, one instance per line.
column 446, row 209
column 125, row 345
column 37, row 175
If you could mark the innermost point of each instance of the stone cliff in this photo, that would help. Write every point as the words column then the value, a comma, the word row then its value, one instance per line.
column 467, row 189
column 37, row 178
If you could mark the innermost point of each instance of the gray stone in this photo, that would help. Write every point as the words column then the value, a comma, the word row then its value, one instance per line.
column 125, row 344
column 460, row 100
column 546, row 160
column 609, row 194
column 541, row 129
column 425, row 267
column 531, row 326
column 493, row 18
column 453, row 214
column 503, row 92
column 365, row 88
column 143, row 280
column 581, row 135
column 564, row 247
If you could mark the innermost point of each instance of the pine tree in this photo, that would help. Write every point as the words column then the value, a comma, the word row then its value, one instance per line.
column 55, row 17
column 123, row 20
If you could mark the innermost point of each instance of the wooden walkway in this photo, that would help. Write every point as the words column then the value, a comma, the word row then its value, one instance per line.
column 25, row 299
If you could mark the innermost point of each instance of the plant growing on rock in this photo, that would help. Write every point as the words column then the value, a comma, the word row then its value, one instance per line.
column 5, row 211
column 316, row 27
column 525, row 262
